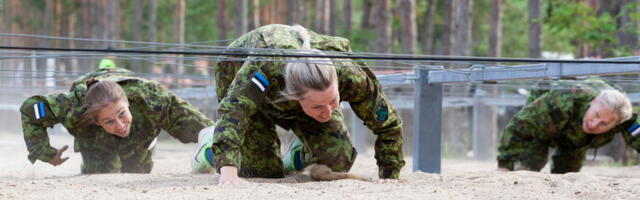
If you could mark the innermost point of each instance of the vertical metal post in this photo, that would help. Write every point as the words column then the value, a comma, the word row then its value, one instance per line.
column 427, row 124
column 484, row 124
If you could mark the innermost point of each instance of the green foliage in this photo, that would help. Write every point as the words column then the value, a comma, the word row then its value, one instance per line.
column 481, row 26
column 581, row 24
column 361, row 39
column 200, row 21
column 515, row 41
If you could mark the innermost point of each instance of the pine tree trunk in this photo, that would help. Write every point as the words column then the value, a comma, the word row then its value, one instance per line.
column 383, row 27
column 221, row 19
column 137, row 27
column 428, row 47
column 241, row 17
column 456, row 119
column 348, row 14
column 322, row 16
column 535, row 29
column 333, row 17
column 366, row 16
column 254, row 21
column 408, row 26
column 495, row 34
column 180, row 11
column 485, row 119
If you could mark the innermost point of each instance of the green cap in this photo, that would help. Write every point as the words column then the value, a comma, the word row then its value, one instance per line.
column 106, row 63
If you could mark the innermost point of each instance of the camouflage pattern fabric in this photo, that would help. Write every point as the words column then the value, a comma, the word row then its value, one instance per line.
column 152, row 106
column 245, row 134
column 554, row 119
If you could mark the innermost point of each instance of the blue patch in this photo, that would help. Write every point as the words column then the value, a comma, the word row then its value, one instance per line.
column 262, row 79
column 209, row 156
column 41, row 108
column 633, row 127
column 382, row 114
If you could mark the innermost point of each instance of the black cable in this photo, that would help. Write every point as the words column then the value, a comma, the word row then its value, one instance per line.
column 308, row 55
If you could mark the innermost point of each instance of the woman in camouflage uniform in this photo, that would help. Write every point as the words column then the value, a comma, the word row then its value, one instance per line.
column 302, row 95
column 114, row 117
column 586, row 115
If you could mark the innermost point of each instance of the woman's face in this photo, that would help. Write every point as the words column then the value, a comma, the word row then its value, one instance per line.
column 598, row 119
column 320, row 104
column 116, row 118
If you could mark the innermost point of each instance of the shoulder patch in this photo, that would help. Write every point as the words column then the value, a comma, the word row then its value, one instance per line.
column 260, row 81
column 382, row 112
column 37, row 109
column 634, row 129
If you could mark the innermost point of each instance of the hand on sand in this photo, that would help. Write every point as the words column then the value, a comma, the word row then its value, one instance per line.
column 229, row 176
column 57, row 159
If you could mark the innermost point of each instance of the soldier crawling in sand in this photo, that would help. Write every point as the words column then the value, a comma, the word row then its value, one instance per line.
column 114, row 117
column 586, row 115
column 302, row 95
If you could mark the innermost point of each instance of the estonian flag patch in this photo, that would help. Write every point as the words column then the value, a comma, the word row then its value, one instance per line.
column 38, row 109
column 260, row 81
column 634, row 129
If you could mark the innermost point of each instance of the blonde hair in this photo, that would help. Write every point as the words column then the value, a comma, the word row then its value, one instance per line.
column 306, row 74
column 618, row 102
column 100, row 95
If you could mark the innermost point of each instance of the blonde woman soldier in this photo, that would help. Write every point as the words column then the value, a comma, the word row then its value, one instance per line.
column 114, row 117
column 304, row 96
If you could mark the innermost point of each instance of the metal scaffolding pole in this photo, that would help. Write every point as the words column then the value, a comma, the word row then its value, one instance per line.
column 427, row 137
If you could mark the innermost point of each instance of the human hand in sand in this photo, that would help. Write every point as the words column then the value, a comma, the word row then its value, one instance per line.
column 229, row 176
column 57, row 159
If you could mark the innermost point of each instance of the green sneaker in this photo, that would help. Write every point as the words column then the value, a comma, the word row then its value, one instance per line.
column 292, row 159
column 202, row 161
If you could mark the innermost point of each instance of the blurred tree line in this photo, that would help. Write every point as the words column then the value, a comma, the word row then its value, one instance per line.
column 497, row 28
column 520, row 28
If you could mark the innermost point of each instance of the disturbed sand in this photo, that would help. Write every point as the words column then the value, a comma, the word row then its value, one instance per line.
column 171, row 179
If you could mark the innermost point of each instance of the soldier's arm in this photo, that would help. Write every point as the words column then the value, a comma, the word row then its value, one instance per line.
column 242, row 101
column 179, row 118
column 541, row 118
column 631, row 132
column 36, row 117
column 371, row 105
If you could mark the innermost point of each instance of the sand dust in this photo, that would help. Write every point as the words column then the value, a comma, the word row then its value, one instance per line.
column 171, row 179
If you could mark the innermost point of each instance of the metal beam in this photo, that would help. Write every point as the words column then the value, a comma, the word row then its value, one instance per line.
column 533, row 71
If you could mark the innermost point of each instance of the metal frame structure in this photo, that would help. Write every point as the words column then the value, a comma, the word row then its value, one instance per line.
column 428, row 100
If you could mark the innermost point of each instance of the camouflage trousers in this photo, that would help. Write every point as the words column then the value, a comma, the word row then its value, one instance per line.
column 324, row 143
column 95, row 161
column 534, row 155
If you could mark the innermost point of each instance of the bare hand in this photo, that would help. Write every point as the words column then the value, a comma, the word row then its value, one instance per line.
column 57, row 160
column 229, row 176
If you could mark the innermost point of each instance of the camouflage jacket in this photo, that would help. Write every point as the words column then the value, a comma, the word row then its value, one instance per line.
column 556, row 116
column 244, row 98
column 152, row 106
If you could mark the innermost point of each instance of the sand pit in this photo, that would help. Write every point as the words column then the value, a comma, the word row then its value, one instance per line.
column 171, row 179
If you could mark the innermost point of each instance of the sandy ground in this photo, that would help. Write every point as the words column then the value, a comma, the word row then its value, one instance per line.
column 171, row 179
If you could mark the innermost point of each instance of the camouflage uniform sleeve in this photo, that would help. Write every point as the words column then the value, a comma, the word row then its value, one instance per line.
column 543, row 117
column 36, row 117
column 244, row 96
column 631, row 132
column 179, row 118
column 365, row 95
